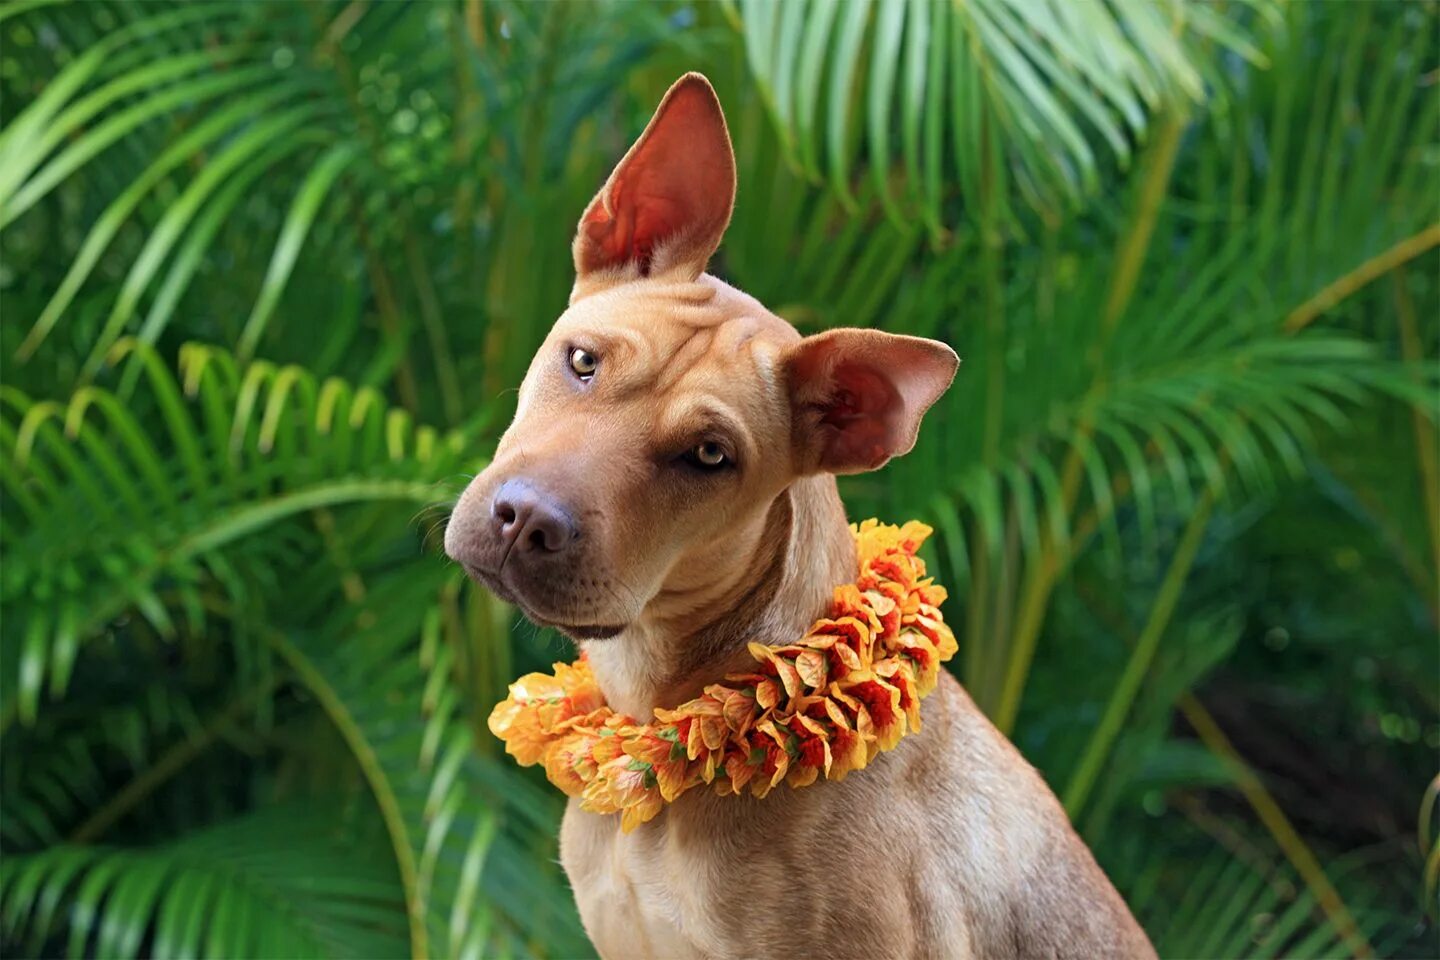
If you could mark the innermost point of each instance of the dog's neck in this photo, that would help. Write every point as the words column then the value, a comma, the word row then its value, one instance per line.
column 766, row 584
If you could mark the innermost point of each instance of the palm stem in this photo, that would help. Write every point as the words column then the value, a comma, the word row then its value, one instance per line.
column 1372, row 269
column 992, row 259
column 1291, row 844
column 169, row 763
column 1427, row 460
column 1130, row 257
column 1125, row 691
column 391, row 321
column 320, row 687
column 979, row 660
column 1134, row 246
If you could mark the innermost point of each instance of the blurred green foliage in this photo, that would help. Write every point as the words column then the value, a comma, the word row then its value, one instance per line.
column 270, row 272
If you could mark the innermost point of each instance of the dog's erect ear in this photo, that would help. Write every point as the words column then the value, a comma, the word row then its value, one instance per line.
column 667, row 204
column 858, row 396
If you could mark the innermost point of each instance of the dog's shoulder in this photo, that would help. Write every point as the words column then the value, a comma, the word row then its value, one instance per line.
column 1043, row 894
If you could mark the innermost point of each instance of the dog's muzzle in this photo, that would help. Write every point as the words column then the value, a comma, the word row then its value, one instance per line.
column 526, row 546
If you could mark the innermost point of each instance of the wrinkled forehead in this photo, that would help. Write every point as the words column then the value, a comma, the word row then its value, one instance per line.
column 696, row 340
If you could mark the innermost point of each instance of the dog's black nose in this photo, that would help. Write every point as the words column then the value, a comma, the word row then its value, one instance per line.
column 530, row 519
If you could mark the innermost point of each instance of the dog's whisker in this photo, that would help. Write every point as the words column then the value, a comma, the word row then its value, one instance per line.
column 431, row 515
column 439, row 525
column 461, row 478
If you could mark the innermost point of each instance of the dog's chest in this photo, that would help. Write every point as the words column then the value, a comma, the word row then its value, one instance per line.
column 645, row 894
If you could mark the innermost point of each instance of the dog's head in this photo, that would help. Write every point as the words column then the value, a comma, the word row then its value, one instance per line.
column 666, row 411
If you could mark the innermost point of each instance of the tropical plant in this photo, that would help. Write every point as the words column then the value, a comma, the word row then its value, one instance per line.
column 270, row 271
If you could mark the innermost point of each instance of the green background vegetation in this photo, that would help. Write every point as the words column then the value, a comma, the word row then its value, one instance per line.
column 271, row 272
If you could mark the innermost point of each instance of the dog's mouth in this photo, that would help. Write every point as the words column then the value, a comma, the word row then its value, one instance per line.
column 575, row 631
column 579, row 631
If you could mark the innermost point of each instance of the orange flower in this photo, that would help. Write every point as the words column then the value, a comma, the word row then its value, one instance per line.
column 900, row 674
column 882, row 704
column 812, row 667
column 811, row 757
column 774, row 663
column 626, row 785
column 822, row 706
column 857, row 717
column 918, row 649
column 570, row 763
column 735, row 769
column 774, row 757
column 849, row 601
column 517, row 725
column 665, row 756
column 845, row 747
column 739, row 710
column 848, row 749
column 700, row 726
column 848, row 643
column 939, row 633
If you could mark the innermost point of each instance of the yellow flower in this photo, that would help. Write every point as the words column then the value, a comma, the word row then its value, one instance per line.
column 919, row 650
column 665, row 757
column 811, row 757
column 774, row 664
column 774, row 757
column 570, row 763
column 881, row 703
column 626, row 785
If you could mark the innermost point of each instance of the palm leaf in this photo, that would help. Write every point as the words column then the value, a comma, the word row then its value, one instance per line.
column 1229, row 909
column 267, row 445
column 234, row 467
column 284, row 882
column 1015, row 93
column 214, row 128
column 377, row 680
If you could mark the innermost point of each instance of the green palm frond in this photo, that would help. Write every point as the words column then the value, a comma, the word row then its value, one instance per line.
column 112, row 518
column 458, row 823
column 194, row 125
column 285, row 882
column 1223, row 907
column 993, row 97
column 251, row 454
column 1200, row 344
column 45, row 793
column 845, row 270
column 1095, row 410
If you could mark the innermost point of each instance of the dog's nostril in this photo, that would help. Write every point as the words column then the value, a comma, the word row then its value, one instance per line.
column 530, row 520
column 547, row 530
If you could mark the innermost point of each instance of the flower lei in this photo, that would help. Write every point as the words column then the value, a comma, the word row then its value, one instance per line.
column 825, row 704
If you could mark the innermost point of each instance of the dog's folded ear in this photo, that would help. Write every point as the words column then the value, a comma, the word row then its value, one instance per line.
column 858, row 396
column 667, row 204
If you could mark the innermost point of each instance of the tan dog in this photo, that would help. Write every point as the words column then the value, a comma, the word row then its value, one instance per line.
column 665, row 495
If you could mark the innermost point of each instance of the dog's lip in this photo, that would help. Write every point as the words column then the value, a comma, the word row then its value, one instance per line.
column 490, row 579
column 581, row 631
column 576, row 631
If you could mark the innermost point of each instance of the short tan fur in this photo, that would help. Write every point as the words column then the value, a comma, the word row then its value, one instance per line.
column 666, row 495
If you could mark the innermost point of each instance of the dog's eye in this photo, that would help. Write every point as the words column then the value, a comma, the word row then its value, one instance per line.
column 709, row 455
column 583, row 362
